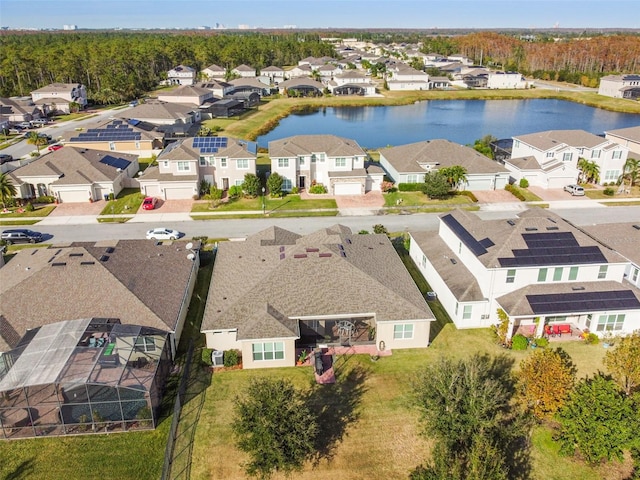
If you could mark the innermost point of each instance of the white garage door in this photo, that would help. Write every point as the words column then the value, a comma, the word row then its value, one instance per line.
column 482, row 183
column 560, row 182
column 74, row 196
column 152, row 191
column 178, row 193
column 347, row 188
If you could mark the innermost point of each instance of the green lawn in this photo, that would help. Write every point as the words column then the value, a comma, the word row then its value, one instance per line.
column 419, row 199
column 21, row 212
column 272, row 205
column 128, row 202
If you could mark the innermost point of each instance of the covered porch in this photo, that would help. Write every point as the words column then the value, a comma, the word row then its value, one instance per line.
column 346, row 331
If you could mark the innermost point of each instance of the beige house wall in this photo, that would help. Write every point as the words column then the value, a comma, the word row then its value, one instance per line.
column 143, row 148
column 420, row 339
column 289, row 359
column 222, row 340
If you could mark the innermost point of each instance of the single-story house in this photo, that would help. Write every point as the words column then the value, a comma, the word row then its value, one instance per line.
column 278, row 291
column 301, row 86
column 410, row 163
column 158, row 112
column 18, row 110
column 186, row 94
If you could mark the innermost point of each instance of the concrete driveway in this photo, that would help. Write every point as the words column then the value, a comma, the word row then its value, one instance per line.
column 494, row 196
column 78, row 208
column 169, row 206
column 555, row 194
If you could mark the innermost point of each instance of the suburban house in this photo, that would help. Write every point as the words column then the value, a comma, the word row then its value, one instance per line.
column 225, row 108
column 18, row 110
column 303, row 70
column 278, row 291
column 244, row 71
column 352, row 82
column 274, row 74
column 57, row 97
column 439, row 82
column 250, row 84
column 187, row 94
column 214, row 72
column 158, row 112
column 620, row 86
column 75, row 175
column 125, row 279
column 550, row 159
column 183, row 165
column 301, row 86
column 512, row 80
column 410, row 163
column 627, row 137
column 538, row 268
column 407, row 79
column 219, row 88
column 337, row 163
column 131, row 136
column 181, row 75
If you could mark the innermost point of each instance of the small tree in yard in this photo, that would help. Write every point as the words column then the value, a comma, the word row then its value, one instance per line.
column 274, row 184
column 623, row 362
column 545, row 380
column 379, row 228
column 598, row 421
column 436, row 185
column 275, row 427
column 251, row 185
column 7, row 189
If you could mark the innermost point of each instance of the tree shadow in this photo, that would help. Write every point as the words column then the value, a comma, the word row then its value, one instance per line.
column 335, row 407
column 24, row 470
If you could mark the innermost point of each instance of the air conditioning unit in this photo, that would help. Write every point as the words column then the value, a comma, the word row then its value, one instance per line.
column 217, row 359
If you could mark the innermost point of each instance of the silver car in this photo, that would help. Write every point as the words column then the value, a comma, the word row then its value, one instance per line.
column 575, row 190
column 161, row 233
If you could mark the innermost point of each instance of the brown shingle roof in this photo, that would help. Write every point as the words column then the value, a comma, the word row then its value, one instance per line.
column 555, row 138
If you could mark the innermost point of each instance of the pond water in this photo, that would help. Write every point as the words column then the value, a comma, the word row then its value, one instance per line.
column 461, row 121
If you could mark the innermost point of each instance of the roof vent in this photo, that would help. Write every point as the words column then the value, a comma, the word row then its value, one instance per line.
column 312, row 249
column 282, row 249
column 577, row 288
column 58, row 264
column 343, row 254
column 637, row 227
column 453, row 260
column 76, row 254
column 553, row 228
column 323, row 255
column 551, row 220
column 531, row 229
column 104, row 258
column 109, row 250
column 282, row 256
column 87, row 263
column 511, row 222
column 300, row 255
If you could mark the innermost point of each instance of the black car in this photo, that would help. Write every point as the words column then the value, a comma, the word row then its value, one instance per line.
column 20, row 235
column 5, row 158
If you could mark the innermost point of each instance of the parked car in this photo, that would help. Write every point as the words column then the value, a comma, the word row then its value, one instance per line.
column 149, row 203
column 574, row 189
column 5, row 158
column 54, row 147
column 24, row 125
column 44, row 135
column 163, row 234
column 21, row 235
column 15, row 130
column 40, row 122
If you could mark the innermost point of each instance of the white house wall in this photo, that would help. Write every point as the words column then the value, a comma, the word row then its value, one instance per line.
column 223, row 340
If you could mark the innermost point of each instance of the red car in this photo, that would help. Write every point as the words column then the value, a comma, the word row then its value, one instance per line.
column 53, row 148
column 149, row 203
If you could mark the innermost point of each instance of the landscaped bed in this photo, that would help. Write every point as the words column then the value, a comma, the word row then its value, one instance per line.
column 272, row 205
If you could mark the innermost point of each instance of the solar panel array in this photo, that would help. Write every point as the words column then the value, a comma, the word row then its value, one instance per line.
column 120, row 163
column 582, row 302
column 210, row 144
column 116, row 131
column 463, row 234
column 552, row 248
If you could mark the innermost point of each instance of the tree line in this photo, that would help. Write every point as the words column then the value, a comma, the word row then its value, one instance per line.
column 116, row 67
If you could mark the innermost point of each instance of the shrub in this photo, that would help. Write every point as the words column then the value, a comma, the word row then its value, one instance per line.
column 235, row 191
column 591, row 339
column 515, row 191
column 542, row 342
column 519, row 342
column 411, row 187
column 386, row 186
column 318, row 189
column 215, row 193
column 231, row 358
column 468, row 193
column 45, row 199
column 295, row 190
column 524, row 183
column 206, row 357
column 29, row 207
column 363, row 232
column 380, row 229
column 609, row 191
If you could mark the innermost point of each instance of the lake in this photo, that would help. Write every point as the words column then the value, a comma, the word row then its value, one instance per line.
column 461, row 121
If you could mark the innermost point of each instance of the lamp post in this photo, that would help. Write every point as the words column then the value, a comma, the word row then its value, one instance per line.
column 264, row 205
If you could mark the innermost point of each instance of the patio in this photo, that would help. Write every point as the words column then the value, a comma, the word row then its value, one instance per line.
column 554, row 332
column 344, row 332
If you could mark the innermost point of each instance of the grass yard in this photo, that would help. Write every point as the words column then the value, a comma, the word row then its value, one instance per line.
column 21, row 212
column 128, row 201
column 419, row 199
column 273, row 205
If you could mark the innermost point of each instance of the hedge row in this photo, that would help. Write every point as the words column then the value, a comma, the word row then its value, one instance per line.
column 411, row 187
column 515, row 191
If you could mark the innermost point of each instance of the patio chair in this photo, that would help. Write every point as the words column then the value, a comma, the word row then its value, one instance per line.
column 548, row 331
column 556, row 330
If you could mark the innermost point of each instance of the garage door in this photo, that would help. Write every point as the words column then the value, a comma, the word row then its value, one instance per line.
column 178, row 193
column 482, row 183
column 560, row 182
column 152, row 190
column 74, row 196
column 347, row 188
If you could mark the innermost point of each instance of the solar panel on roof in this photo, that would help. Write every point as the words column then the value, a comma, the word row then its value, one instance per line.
column 583, row 302
column 120, row 163
column 463, row 234
column 133, row 122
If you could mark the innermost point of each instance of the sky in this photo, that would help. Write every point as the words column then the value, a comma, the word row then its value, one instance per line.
column 423, row 14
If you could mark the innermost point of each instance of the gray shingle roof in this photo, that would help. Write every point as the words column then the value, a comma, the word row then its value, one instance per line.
column 630, row 133
column 275, row 271
column 332, row 145
column 622, row 237
column 156, row 110
column 555, row 138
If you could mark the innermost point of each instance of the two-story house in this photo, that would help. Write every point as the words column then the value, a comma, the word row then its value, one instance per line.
column 620, row 86
column 57, row 97
column 537, row 268
column 214, row 72
column 337, row 163
column 407, row 78
column 183, row 165
column 244, row 71
column 181, row 75
column 410, row 163
column 352, row 82
column 550, row 159
column 506, row 80
column 629, row 137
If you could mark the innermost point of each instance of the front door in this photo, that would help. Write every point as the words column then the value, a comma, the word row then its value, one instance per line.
column 301, row 182
column 225, row 184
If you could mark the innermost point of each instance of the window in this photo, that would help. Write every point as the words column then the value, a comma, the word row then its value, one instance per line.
column 165, row 164
column 607, row 323
column 466, row 312
column 112, row 146
column 611, row 175
column 283, row 163
column 202, row 162
column 403, row 331
column 595, row 153
column 137, row 145
column 145, row 344
column 516, row 144
column 550, row 154
column 511, row 276
column 286, row 184
column 542, row 275
column 341, row 162
column 424, row 261
column 457, row 305
column 617, row 154
column 313, row 158
column 223, row 163
column 557, row 274
column 243, row 164
column 412, row 178
column 301, row 161
column 634, row 275
column 573, row 273
column 588, row 321
column 581, row 151
column 184, row 167
column 602, row 273
column 321, row 158
column 268, row 351
column 566, row 157
column 239, row 182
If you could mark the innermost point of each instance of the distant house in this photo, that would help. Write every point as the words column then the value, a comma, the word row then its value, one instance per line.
column 352, row 82
column 439, row 82
column 158, row 112
column 18, row 110
column 187, row 94
column 249, row 84
column 75, row 175
column 627, row 137
column 407, row 79
column 244, row 71
column 302, row 86
column 57, row 97
column 620, row 86
column 214, row 72
column 218, row 87
column 550, row 159
column 337, row 163
column 278, row 292
column 302, row 70
column 511, row 80
column 410, row 163
column 183, row 165
column 274, row 74
column 181, row 75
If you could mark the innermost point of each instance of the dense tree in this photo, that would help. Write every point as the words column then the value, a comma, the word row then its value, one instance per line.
column 631, row 171
column 436, row 185
column 589, row 170
column 35, row 139
column 251, row 185
column 455, row 175
column 467, row 409
column 7, row 189
column 274, row 184
column 598, row 420
column 483, row 145
column 275, row 427
column 545, row 380
column 623, row 362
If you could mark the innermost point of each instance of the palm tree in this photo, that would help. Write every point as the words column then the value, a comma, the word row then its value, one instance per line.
column 37, row 140
column 455, row 175
column 631, row 170
column 7, row 189
column 589, row 170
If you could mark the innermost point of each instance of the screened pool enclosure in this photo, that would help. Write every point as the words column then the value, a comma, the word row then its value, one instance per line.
column 83, row 376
